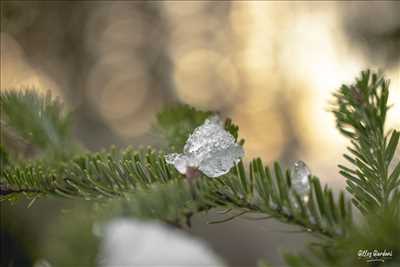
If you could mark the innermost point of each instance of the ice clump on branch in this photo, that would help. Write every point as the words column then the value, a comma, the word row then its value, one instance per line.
column 210, row 149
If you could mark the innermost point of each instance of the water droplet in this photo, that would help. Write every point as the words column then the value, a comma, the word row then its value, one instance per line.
column 300, row 184
column 210, row 148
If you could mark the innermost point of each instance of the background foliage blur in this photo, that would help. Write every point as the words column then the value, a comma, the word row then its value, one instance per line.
column 271, row 66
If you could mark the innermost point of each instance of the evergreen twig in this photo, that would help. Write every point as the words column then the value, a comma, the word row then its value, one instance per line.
column 361, row 111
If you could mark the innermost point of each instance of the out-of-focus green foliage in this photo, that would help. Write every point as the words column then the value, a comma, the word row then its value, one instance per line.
column 77, row 243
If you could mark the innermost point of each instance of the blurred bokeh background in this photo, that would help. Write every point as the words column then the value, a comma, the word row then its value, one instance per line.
column 271, row 66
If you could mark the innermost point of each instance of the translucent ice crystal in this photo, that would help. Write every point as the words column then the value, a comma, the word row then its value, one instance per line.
column 300, row 184
column 209, row 148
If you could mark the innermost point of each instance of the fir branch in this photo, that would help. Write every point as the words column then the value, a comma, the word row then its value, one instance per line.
column 361, row 111
column 268, row 192
column 136, row 174
column 144, row 177
column 91, row 176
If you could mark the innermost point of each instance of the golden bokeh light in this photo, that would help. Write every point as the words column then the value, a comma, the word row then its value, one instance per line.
column 314, row 54
column 118, row 86
column 206, row 79
column 120, row 96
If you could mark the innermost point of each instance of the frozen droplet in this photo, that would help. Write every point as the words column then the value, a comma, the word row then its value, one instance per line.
column 300, row 183
column 210, row 148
